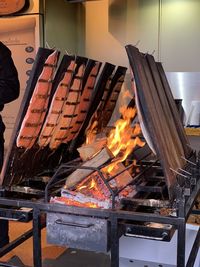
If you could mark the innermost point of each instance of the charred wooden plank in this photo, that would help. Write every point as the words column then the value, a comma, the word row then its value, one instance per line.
column 159, row 121
column 170, row 99
column 115, row 89
column 153, row 116
column 169, row 119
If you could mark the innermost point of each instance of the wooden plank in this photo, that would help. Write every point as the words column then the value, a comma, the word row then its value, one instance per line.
column 154, row 117
column 167, row 112
column 85, row 100
column 168, row 149
column 172, row 104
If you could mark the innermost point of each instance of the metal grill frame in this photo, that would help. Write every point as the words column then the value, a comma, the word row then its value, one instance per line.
column 184, row 207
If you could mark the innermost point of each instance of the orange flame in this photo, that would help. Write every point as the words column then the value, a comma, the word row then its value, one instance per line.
column 82, row 187
column 91, row 133
column 93, row 185
column 122, row 140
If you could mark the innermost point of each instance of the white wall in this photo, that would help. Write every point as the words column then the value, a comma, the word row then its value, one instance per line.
column 112, row 24
column 170, row 27
column 63, row 26
column 180, row 35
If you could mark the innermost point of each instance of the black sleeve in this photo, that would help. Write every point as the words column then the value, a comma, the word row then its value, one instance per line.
column 9, row 83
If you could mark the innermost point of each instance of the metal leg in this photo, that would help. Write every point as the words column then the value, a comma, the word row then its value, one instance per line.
column 114, row 243
column 37, row 258
column 194, row 251
column 181, row 244
column 18, row 241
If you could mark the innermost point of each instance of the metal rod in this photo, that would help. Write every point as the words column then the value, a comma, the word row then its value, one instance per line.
column 181, row 244
column 100, row 213
column 191, row 199
column 194, row 250
column 37, row 254
column 56, row 174
column 179, row 173
column 114, row 242
column 185, row 171
column 136, row 177
column 188, row 161
column 137, row 43
column 18, row 241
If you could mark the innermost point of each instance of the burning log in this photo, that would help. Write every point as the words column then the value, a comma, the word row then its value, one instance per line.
column 97, row 161
column 92, row 192
column 87, row 151
column 94, row 186
column 124, row 176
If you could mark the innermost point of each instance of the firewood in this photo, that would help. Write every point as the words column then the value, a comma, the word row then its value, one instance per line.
column 88, row 151
column 97, row 161
column 124, row 176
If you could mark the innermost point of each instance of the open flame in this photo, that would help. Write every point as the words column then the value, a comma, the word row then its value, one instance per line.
column 92, row 185
column 121, row 141
column 124, row 137
column 91, row 133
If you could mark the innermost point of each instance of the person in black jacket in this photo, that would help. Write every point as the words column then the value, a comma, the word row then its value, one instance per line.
column 9, row 91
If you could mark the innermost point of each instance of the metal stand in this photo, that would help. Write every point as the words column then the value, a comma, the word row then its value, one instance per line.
column 114, row 218
column 37, row 250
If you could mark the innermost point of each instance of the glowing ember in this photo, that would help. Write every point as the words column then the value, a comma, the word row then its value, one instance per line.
column 82, row 187
column 93, row 185
column 71, row 202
